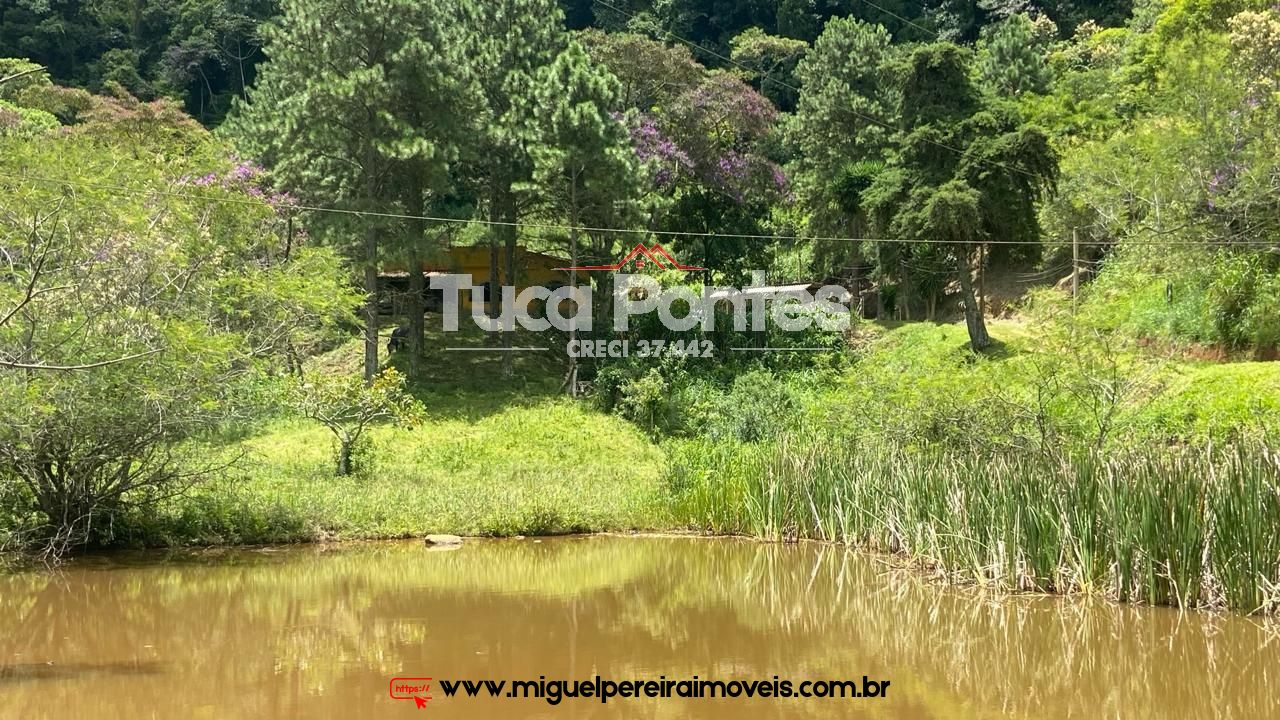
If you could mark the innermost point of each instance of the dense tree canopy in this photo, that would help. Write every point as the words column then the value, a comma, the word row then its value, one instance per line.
column 149, row 281
column 745, row 118
column 206, row 52
column 202, row 51
column 364, row 111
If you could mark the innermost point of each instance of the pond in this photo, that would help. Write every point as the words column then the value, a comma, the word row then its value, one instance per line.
column 321, row 631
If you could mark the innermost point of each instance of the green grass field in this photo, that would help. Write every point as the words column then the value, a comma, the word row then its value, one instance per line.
column 496, row 456
column 551, row 467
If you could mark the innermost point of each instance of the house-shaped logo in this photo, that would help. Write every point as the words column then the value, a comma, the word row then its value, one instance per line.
column 641, row 257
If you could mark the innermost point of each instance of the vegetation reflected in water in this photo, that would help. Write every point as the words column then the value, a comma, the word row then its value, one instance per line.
column 318, row 632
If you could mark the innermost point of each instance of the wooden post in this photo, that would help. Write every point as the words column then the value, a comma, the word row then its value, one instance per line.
column 571, row 379
column 1075, row 271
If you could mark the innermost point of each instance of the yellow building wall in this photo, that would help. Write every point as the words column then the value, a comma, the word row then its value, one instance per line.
column 532, row 269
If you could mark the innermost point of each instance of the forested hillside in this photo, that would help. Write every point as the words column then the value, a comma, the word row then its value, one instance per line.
column 1146, row 131
column 206, row 51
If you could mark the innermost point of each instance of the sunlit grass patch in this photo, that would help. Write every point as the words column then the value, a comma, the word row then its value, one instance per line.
column 553, row 467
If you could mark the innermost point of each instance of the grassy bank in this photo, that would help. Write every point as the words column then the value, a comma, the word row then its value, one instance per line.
column 1059, row 462
column 1192, row 528
column 550, row 467
column 1027, row 468
column 919, row 386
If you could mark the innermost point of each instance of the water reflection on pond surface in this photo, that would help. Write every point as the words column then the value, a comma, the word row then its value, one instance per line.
column 318, row 632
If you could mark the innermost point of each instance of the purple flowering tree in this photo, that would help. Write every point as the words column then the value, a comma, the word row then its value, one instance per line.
column 720, row 124
column 249, row 180
column 702, row 137
column 666, row 161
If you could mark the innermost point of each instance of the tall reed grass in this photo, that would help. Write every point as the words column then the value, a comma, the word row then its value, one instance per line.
column 1166, row 526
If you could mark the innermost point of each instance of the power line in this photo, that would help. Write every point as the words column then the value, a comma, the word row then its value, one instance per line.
column 898, row 17
column 430, row 218
column 147, row 192
column 1042, row 275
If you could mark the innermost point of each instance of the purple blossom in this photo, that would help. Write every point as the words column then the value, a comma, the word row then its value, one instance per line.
column 781, row 183
column 281, row 200
column 730, row 174
column 724, row 96
column 245, row 171
column 1223, row 178
column 651, row 145
column 779, row 178
column 245, row 176
column 1221, row 182
column 1215, row 182
column 733, row 167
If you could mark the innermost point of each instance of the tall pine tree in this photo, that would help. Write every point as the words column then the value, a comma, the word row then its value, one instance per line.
column 362, row 107
column 1010, row 60
column 964, row 171
column 839, row 131
column 585, row 166
column 514, row 38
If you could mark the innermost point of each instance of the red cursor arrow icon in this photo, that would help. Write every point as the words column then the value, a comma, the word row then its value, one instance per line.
column 421, row 702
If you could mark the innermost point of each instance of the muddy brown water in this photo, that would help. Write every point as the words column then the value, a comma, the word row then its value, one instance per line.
column 319, row 632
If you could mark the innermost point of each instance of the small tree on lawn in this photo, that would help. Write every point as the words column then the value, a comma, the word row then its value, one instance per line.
column 348, row 407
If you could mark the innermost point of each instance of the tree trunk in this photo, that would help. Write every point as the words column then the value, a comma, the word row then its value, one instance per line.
column 417, row 232
column 370, row 274
column 417, row 329
column 904, row 293
column 344, row 457
column 973, row 320
column 982, row 279
column 370, row 303
column 880, row 282
column 496, row 184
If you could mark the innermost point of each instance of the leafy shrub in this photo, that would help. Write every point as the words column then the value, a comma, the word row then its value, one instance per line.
column 348, row 407
column 660, row 395
column 25, row 122
column 669, row 398
column 644, row 399
column 129, row 327
column 758, row 406
column 1230, row 299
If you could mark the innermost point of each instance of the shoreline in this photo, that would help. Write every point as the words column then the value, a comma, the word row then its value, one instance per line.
column 901, row 563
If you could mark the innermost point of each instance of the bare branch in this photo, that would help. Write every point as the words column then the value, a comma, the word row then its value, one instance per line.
column 24, row 73
column 89, row 366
